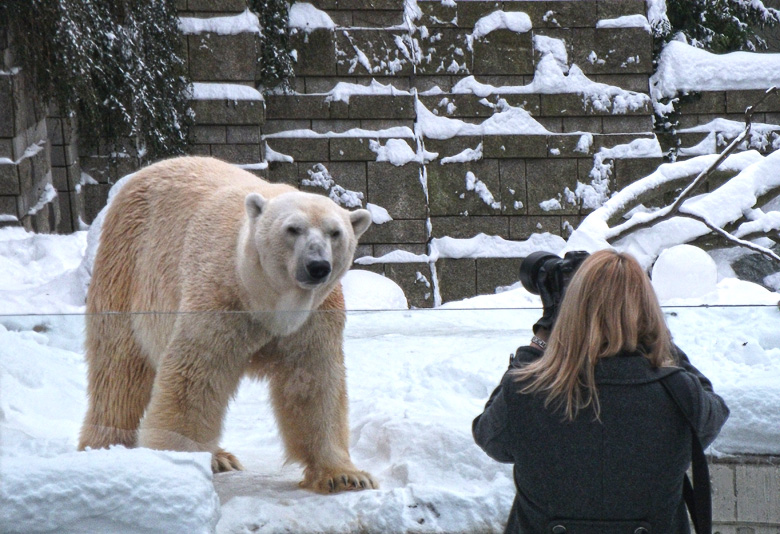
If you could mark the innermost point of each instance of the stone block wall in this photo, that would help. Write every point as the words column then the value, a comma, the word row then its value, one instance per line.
column 423, row 56
column 26, row 190
column 745, row 495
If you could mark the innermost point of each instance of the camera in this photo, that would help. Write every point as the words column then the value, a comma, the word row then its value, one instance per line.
column 547, row 275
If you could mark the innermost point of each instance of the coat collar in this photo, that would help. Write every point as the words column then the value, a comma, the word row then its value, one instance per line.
column 629, row 368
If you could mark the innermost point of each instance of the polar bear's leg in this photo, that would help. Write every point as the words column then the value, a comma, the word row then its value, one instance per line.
column 197, row 376
column 308, row 391
column 119, row 383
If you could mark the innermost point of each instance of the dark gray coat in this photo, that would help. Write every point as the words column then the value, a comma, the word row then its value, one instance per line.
column 628, row 467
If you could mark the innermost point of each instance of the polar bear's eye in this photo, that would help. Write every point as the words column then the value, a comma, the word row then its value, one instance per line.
column 294, row 230
column 335, row 234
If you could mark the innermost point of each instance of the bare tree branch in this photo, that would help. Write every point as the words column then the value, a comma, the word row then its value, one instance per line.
column 672, row 210
column 720, row 231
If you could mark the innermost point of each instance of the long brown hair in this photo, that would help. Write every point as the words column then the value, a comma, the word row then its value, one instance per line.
column 609, row 307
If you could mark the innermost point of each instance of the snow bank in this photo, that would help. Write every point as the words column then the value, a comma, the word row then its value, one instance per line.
column 117, row 490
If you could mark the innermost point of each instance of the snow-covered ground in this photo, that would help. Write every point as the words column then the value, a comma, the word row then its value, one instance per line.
column 417, row 378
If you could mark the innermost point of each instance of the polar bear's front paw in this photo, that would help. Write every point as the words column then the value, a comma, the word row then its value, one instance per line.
column 337, row 480
column 222, row 461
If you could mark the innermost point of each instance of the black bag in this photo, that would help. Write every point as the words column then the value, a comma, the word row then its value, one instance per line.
column 698, row 496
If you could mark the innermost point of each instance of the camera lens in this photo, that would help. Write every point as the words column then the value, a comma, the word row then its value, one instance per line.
column 529, row 269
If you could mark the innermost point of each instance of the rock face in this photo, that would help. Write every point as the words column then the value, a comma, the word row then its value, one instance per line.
column 759, row 269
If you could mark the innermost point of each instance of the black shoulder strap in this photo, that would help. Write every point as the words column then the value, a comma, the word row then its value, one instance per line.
column 698, row 496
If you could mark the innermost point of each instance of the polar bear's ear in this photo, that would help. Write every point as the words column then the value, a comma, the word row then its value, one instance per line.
column 361, row 220
column 255, row 204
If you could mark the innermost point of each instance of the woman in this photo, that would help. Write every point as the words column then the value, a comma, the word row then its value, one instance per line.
column 598, row 444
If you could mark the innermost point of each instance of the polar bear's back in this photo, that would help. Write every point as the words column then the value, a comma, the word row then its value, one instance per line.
column 181, row 213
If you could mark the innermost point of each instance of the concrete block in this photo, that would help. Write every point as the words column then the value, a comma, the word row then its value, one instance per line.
column 704, row 102
column 622, row 50
column 551, row 124
column 724, row 498
column 371, row 5
column 627, row 171
column 350, row 175
column 281, row 173
column 582, row 124
column 521, row 228
column 758, row 493
column 457, row 278
column 462, row 227
column 208, row 135
column 420, row 249
column 453, row 146
column 223, row 58
column 556, row 14
column 7, row 121
column 503, row 52
column 9, row 179
column 630, row 82
column 514, row 188
column 381, row 107
column 496, row 272
column 233, row 112
column 449, row 193
column 277, row 126
column 240, row 154
column 243, row 135
column 627, row 123
column 397, row 189
column 548, row 179
column 352, row 149
column 372, row 18
column 436, row 14
column 307, row 149
column 217, row 6
column 8, row 206
column 293, row 106
column 612, row 9
column 738, row 101
column 470, row 12
column 335, row 126
column 569, row 146
column 369, row 52
column 515, row 146
column 415, row 279
column 95, row 197
column 397, row 231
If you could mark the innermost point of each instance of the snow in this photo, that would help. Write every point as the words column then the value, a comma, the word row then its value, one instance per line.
column 117, row 490
column 416, row 379
column 684, row 272
column 379, row 215
column 627, row 21
column 683, row 68
column 514, row 21
column 246, row 22
column 306, row 17
column 224, row 91
column 551, row 78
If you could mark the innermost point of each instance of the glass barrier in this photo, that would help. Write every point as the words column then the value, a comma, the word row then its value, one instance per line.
column 415, row 381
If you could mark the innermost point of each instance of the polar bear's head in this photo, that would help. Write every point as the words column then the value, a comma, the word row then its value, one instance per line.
column 302, row 239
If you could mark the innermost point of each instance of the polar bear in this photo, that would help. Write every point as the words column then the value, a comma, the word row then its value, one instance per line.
column 206, row 273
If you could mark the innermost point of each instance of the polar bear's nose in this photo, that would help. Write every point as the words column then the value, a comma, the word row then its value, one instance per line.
column 318, row 269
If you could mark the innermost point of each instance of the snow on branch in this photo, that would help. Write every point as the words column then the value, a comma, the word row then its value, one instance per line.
column 624, row 222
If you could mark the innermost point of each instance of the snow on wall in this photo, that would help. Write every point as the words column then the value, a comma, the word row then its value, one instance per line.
column 683, row 68
column 246, row 22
